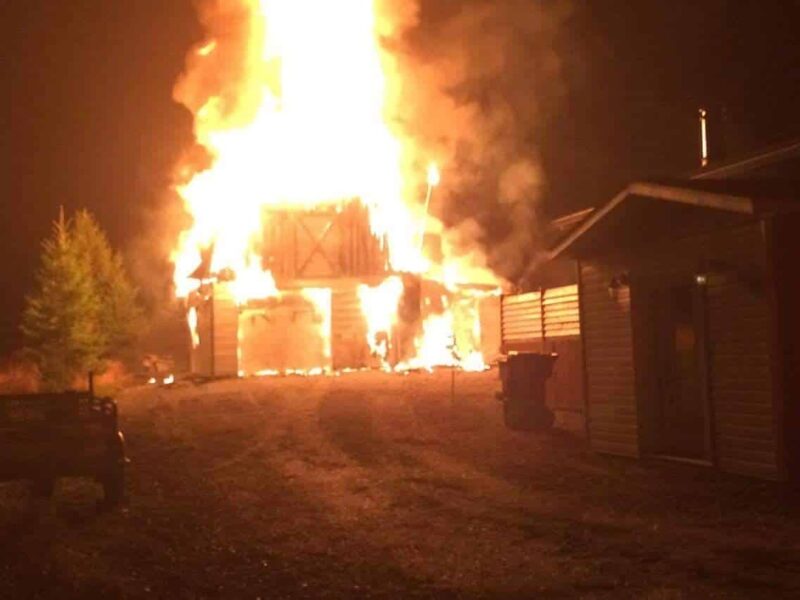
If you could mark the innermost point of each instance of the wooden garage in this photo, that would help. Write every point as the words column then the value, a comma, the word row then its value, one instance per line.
column 689, row 297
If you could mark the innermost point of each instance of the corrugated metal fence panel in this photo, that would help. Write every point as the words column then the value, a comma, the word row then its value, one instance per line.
column 549, row 321
column 561, row 312
column 741, row 379
column 608, row 343
column 349, row 330
column 530, row 319
column 521, row 318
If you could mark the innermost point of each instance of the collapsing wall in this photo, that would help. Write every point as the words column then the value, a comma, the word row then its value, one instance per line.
column 320, row 262
column 314, row 330
column 313, row 320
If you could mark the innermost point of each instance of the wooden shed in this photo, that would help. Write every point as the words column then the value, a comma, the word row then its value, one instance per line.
column 689, row 299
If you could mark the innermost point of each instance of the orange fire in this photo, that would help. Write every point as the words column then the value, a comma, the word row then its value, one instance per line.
column 306, row 127
column 379, row 305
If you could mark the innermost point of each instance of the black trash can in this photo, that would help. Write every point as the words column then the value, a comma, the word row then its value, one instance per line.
column 523, row 376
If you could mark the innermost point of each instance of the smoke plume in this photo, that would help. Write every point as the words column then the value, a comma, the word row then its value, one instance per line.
column 477, row 81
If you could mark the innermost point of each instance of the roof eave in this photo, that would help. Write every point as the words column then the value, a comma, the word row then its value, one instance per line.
column 725, row 202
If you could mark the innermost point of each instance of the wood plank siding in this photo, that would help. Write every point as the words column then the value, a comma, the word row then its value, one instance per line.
column 216, row 355
column 328, row 242
column 608, row 352
column 348, row 330
column 738, row 347
column 784, row 245
column 741, row 381
column 739, row 351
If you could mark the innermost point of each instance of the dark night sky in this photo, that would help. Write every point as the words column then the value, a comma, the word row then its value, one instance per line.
column 91, row 120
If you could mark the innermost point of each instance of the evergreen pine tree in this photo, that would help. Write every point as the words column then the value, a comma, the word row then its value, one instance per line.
column 60, row 322
column 84, row 308
column 120, row 318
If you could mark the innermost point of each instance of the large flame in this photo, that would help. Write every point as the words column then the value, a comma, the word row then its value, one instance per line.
column 379, row 305
column 306, row 125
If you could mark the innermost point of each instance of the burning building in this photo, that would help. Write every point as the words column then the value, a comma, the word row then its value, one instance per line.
column 311, row 247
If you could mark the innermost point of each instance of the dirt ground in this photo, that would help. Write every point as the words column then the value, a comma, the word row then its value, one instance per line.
column 371, row 485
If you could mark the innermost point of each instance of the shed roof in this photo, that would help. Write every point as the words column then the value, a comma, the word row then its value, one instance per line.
column 781, row 160
column 646, row 211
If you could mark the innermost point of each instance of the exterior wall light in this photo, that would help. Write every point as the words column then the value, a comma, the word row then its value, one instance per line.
column 617, row 283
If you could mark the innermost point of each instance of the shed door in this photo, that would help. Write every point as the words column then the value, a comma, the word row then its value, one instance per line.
column 681, row 420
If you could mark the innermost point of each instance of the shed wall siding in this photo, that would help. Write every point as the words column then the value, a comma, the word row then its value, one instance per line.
column 608, row 350
column 741, row 381
column 739, row 335
column 564, row 389
column 786, row 252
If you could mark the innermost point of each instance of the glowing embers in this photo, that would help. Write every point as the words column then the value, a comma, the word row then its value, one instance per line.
column 404, row 323
column 168, row 380
column 317, row 372
column 420, row 324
